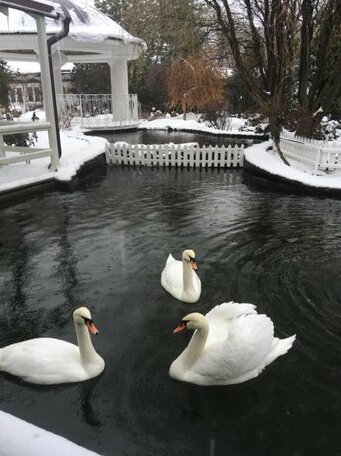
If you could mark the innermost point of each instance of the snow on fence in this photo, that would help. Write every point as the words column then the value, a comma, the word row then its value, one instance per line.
column 321, row 155
column 184, row 156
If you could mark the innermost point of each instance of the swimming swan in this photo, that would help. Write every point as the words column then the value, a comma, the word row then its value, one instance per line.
column 48, row 361
column 231, row 344
column 180, row 279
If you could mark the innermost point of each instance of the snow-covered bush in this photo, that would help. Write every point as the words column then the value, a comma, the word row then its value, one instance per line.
column 256, row 123
column 329, row 129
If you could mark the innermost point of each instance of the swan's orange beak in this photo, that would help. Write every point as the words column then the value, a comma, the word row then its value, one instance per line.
column 194, row 265
column 92, row 328
column 181, row 327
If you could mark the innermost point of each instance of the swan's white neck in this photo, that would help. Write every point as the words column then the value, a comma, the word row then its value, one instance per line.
column 86, row 349
column 192, row 353
column 187, row 277
column 197, row 344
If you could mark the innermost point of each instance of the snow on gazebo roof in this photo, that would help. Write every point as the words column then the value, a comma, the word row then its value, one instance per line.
column 91, row 34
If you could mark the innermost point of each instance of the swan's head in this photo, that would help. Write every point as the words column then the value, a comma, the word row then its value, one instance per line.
column 82, row 316
column 193, row 320
column 189, row 256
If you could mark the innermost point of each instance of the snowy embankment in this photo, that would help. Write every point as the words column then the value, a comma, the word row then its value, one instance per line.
column 77, row 149
column 20, row 438
column 269, row 162
column 192, row 124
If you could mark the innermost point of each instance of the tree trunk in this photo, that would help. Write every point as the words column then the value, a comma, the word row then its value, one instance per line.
column 184, row 108
column 275, row 125
column 307, row 123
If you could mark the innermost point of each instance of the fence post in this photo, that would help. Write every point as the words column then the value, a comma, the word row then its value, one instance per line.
column 317, row 160
column 81, row 109
column 2, row 146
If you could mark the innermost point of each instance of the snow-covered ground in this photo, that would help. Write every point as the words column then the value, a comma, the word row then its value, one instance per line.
column 20, row 438
column 270, row 162
column 77, row 149
column 192, row 124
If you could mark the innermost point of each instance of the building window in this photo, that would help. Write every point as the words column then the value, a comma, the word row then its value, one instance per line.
column 38, row 94
column 19, row 93
column 30, row 93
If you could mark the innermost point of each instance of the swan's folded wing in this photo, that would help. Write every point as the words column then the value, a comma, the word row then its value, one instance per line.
column 243, row 350
column 170, row 259
column 45, row 356
column 172, row 276
column 221, row 317
column 230, row 310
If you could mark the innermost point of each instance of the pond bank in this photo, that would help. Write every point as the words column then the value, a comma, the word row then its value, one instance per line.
column 79, row 153
column 299, row 178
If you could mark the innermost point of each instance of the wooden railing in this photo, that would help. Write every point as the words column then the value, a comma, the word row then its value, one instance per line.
column 165, row 155
column 321, row 155
column 24, row 153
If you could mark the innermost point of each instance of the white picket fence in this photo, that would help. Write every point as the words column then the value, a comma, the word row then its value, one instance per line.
column 182, row 156
column 321, row 155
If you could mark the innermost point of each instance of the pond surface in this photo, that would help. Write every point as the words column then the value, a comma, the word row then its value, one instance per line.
column 177, row 137
column 104, row 244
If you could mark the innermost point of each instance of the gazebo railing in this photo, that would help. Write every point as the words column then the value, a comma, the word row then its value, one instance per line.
column 97, row 110
column 13, row 154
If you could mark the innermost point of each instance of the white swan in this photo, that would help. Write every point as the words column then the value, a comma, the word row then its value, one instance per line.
column 180, row 279
column 48, row 361
column 231, row 344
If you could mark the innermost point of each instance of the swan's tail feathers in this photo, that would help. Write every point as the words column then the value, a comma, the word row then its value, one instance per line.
column 279, row 347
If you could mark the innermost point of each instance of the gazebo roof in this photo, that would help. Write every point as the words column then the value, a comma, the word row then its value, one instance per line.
column 93, row 37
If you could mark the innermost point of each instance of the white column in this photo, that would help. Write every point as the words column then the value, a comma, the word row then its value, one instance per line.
column 58, row 60
column 119, row 89
column 47, row 88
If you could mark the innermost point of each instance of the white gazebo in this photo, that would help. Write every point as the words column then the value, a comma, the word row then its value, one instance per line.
column 91, row 38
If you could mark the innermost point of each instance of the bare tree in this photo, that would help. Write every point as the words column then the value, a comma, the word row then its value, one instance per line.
column 320, row 62
column 263, row 35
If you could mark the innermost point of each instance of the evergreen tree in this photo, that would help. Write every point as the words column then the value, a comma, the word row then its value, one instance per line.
column 91, row 78
column 5, row 78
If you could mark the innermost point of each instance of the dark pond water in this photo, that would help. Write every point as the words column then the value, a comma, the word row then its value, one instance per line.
column 104, row 244
column 162, row 137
